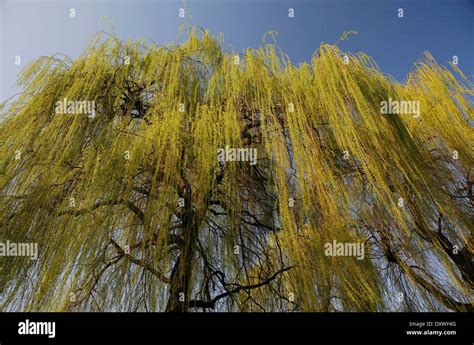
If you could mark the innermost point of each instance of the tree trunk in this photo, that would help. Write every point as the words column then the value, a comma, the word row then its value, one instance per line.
column 180, row 287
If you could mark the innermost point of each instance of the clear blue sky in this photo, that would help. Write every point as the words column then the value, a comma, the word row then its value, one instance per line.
column 30, row 28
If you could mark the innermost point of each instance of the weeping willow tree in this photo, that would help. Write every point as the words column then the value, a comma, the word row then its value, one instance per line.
column 132, row 209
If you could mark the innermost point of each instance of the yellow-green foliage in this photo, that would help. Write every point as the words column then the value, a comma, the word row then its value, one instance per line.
column 322, row 139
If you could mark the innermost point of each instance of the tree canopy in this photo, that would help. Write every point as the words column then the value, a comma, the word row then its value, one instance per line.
column 133, row 211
